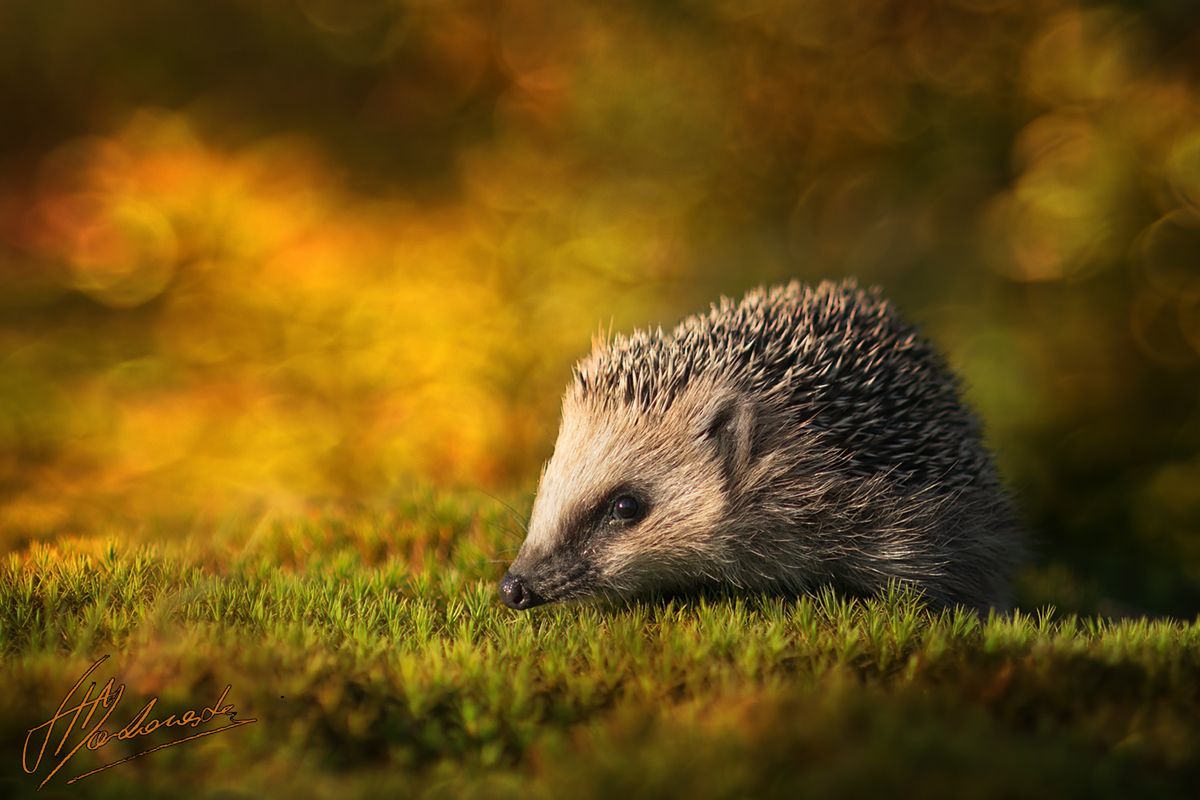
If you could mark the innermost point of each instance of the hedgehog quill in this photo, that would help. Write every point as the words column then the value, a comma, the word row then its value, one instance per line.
column 797, row 438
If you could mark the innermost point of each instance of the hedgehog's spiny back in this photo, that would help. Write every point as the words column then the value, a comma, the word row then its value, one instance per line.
column 834, row 356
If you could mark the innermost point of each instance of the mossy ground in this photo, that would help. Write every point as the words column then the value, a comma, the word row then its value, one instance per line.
column 371, row 649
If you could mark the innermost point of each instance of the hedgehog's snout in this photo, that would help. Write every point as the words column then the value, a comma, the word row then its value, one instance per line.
column 516, row 593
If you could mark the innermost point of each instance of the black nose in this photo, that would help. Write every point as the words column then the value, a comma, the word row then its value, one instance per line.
column 516, row 593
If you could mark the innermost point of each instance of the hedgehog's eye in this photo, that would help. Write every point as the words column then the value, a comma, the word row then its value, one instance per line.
column 626, row 508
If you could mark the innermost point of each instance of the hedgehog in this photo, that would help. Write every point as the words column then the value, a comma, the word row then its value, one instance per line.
column 799, row 438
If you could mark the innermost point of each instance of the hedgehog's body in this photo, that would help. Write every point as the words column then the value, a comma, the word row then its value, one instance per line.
column 799, row 438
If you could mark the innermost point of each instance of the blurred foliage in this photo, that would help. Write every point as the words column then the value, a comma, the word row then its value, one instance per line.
column 256, row 252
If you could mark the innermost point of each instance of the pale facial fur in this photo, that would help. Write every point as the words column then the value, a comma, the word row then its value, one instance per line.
column 670, row 461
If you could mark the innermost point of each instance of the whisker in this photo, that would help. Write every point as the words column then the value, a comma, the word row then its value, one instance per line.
column 521, row 521
column 509, row 532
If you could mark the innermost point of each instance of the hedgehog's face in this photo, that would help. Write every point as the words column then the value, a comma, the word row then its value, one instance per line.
column 632, row 501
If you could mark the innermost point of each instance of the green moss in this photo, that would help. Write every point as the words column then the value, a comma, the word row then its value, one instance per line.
column 371, row 649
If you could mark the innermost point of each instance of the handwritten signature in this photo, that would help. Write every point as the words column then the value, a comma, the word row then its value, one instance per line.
column 98, row 736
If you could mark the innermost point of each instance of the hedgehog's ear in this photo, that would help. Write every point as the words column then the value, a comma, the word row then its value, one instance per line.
column 728, row 424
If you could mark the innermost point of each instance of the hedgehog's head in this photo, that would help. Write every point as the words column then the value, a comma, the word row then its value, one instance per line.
column 636, row 495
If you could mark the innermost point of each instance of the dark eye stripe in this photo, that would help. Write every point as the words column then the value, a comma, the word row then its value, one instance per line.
column 579, row 524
